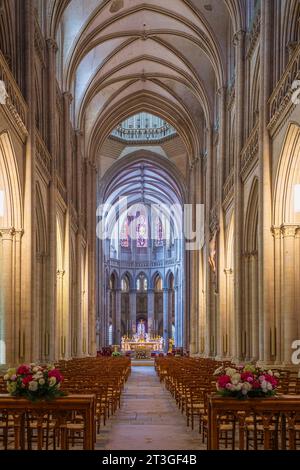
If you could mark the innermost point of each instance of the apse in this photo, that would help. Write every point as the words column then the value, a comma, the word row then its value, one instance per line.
column 142, row 252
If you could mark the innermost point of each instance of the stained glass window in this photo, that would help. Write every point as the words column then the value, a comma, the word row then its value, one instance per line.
column 158, row 232
column 142, row 232
column 124, row 236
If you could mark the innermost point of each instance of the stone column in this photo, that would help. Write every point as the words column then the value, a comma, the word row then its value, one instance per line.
column 61, row 340
column 107, row 315
column 113, row 315
column 192, row 286
column 29, row 193
column 221, row 307
column 166, row 318
column 150, row 311
column 277, row 287
column 254, row 307
column 177, row 320
column 39, row 330
column 247, row 331
column 228, row 334
column 239, row 41
column 7, row 320
column 91, row 234
column 118, row 317
column 132, row 304
column 208, row 288
column 18, row 294
column 181, row 313
column 67, row 99
column 52, row 331
column 265, row 242
column 78, row 332
column 289, row 314
column 83, row 325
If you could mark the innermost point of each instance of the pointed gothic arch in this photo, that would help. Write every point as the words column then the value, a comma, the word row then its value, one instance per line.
column 11, row 229
column 10, row 184
column 286, row 234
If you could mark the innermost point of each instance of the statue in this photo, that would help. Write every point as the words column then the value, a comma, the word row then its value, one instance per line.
column 141, row 330
column 3, row 93
column 212, row 253
column 171, row 344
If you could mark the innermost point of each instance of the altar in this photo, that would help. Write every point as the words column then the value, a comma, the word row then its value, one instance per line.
column 151, row 345
column 142, row 343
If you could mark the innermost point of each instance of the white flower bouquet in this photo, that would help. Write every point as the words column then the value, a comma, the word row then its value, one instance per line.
column 34, row 382
column 246, row 381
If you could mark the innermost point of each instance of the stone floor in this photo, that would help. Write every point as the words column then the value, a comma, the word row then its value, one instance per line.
column 148, row 418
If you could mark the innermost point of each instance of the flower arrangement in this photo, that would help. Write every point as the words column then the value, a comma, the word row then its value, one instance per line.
column 34, row 382
column 116, row 354
column 246, row 381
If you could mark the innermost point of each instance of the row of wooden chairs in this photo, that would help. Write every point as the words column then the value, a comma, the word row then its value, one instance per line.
column 102, row 378
column 191, row 383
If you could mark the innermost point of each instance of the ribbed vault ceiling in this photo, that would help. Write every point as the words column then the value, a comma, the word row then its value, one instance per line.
column 119, row 57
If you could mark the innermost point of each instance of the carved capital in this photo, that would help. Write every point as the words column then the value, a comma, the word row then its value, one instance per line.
column 52, row 45
column 60, row 274
column 276, row 232
column 238, row 37
column 289, row 231
column 68, row 96
column 8, row 233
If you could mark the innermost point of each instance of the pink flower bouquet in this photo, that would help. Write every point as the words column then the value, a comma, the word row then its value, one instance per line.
column 34, row 382
column 246, row 381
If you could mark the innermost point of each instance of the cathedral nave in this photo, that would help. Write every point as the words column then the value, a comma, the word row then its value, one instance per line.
column 149, row 224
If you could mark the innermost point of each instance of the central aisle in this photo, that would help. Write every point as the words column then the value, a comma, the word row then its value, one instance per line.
column 148, row 418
